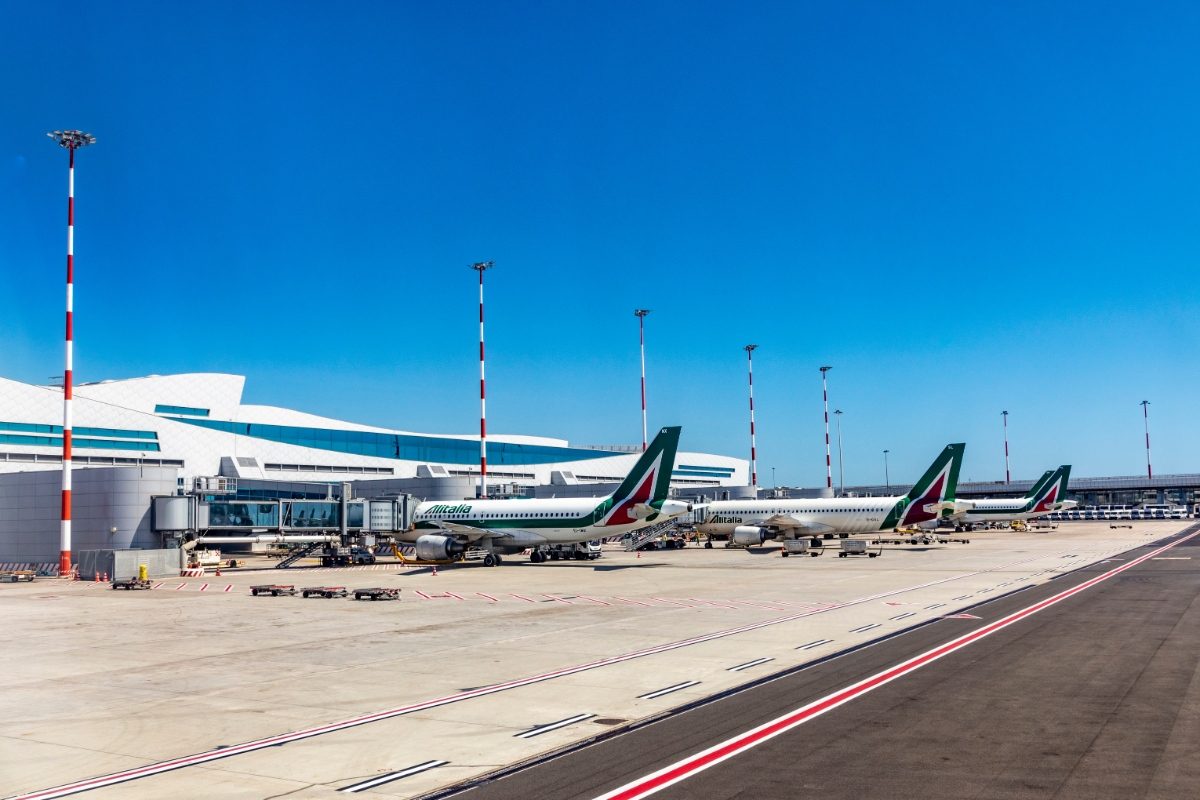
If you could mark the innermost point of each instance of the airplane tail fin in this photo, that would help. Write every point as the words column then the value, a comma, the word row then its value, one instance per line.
column 1055, row 490
column 648, row 484
column 933, row 494
column 1035, row 491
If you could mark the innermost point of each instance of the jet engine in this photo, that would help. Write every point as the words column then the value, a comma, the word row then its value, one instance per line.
column 433, row 547
column 673, row 508
column 749, row 535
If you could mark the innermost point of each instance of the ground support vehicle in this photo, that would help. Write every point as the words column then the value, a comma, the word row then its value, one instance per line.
column 581, row 551
column 856, row 547
column 323, row 591
column 376, row 593
column 273, row 589
column 132, row 584
column 17, row 576
column 341, row 556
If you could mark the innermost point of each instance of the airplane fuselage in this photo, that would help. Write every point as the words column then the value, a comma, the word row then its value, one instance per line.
column 552, row 521
column 826, row 515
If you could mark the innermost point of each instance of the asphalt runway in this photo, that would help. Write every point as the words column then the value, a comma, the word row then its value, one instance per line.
column 1096, row 696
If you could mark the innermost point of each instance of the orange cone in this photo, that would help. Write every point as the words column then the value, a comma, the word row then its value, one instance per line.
column 218, row 572
column 97, row 577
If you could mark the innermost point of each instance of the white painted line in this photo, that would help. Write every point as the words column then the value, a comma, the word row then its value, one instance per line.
column 905, row 615
column 660, row 692
column 1173, row 558
column 692, row 765
column 935, row 605
column 635, row 602
column 393, row 776
column 865, row 628
column 749, row 664
column 817, row 643
column 553, row 726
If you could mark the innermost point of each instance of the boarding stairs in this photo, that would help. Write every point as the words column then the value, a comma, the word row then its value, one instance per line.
column 299, row 553
column 640, row 537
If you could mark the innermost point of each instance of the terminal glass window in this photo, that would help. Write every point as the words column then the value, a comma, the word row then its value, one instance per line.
column 307, row 514
column 243, row 515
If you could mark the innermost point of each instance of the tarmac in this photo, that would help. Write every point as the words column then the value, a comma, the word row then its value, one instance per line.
column 480, row 678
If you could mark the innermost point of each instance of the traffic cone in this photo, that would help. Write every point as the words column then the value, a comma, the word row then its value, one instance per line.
column 218, row 572
column 435, row 570
column 97, row 577
column 106, row 577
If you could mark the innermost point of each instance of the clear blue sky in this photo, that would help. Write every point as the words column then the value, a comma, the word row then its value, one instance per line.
column 963, row 207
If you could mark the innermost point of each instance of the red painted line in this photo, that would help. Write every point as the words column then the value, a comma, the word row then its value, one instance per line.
column 158, row 767
column 488, row 596
column 559, row 599
column 180, row 586
column 228, row 587
column 155, row 586
column 522, row 597
column 452, row 594
column 594, row 600
column 692, row 765
column 204, row 587
column 418, row 591
column 674, row 602
column 635, row 602
column 718, row 605
column 760, row 605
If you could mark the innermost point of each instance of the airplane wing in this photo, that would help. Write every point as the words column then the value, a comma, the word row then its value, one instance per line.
column 786, row 523
column 472, row 532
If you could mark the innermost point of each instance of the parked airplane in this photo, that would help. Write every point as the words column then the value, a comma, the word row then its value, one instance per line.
column 1045, row 497
column 504, row 527
column 751, row 522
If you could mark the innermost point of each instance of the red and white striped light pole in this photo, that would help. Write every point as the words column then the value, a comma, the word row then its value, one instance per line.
column 641, row 313
column 1145, row 404
column 750, row 348
column 480, row 267
column 1007, row 471
column 72, row 141
column 828, row 460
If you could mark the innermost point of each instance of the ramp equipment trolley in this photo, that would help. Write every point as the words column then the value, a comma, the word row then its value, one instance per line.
column 323, row 591
column 857, row 547
column 273, row 589
column 376, row 593
column 132, row 584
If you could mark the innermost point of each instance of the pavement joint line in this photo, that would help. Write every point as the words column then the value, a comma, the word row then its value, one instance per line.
column 379, row 780
column 686, row 767
column 181, row 762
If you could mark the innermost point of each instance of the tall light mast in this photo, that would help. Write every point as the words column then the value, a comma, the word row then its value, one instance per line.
column 837, row 412
column 828, row 462
column 72, row 141
column 641, row 313
column 481, row 267
column 1007, row 471
column 1145, row 404
column 750, row 348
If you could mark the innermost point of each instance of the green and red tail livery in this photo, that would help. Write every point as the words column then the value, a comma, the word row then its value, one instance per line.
column 937, row 485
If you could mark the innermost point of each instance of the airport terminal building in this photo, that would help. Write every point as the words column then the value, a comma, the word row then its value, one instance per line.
column 164, row 434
